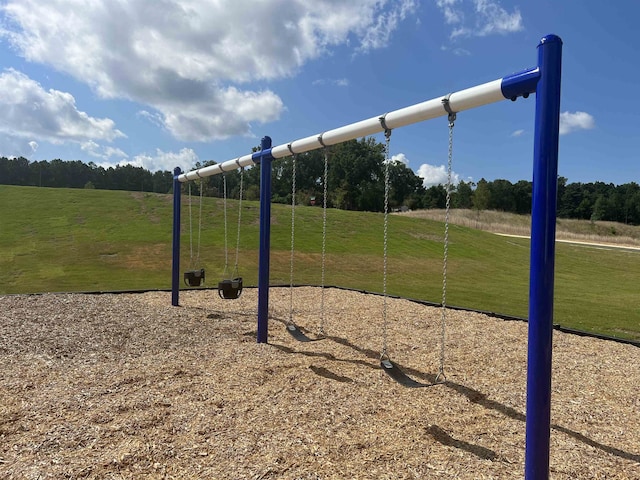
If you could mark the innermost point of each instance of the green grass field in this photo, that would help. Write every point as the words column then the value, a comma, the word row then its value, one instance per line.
column 56, row 240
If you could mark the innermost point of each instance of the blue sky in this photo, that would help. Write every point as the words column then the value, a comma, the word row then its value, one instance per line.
column 165, row 83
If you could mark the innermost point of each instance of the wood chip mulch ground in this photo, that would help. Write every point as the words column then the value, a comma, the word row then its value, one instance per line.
column 124, row 386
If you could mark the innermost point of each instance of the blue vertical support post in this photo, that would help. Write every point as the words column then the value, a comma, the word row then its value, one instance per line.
column 264, row 158
column 175, row 264
column 543, row 232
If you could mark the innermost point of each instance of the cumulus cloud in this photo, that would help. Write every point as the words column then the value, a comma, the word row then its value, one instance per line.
column 436, row 175
column 103, row 152
column 13, row 147
column 400, row 157
column 570, row 122
column 197, row 64
column 185, row 159
column 479, row 18
column 29, row 111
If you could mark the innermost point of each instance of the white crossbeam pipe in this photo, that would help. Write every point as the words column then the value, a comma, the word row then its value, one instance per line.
column 490, row 92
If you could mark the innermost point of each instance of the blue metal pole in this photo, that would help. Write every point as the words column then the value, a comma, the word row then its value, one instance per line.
column 264, row 158
column 543, row 232
column 175, row 265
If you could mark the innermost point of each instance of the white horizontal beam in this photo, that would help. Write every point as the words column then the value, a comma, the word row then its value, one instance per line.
column 227, row 166
column 490, row 92
column 459, row 101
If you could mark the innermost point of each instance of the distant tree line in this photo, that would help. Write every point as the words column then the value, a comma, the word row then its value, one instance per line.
column 355, row 182
column 76, row 174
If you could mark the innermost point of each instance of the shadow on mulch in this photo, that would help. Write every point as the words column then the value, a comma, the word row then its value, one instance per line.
column 474, row 396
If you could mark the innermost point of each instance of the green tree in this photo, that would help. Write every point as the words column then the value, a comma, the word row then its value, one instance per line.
column 522, row 192
column 356, row 175
column 501, row 196
column 463, row 195
column 406, row 187
column 569, row 199
column 481, row 196
column 435, row 197
column 599, row 211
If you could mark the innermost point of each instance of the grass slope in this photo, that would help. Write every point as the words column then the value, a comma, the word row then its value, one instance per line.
column 79, row 240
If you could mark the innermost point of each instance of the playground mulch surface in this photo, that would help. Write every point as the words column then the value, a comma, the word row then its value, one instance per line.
column 125, row 386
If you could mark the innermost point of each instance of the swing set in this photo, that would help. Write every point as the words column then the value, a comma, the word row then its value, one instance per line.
column 387, row 365
column 292, row 328
column 230, row 287
column 544, row 81
column 194, row 277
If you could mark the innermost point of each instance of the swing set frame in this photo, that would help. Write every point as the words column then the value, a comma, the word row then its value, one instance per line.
column 543, row 80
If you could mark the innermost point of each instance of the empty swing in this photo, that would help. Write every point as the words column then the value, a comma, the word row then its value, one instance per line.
column 385, row 361
column 292, row 328
column 194, row 277
column 230, row 287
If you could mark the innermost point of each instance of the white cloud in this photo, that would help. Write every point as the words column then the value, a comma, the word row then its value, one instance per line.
column 228, row 112
column 517, row 133
column 106, row 153
column 114, row 152
column 29, row 111
column 479, row 18
column 154, row 118
column 400, row 157
column 90, row 147
column 495, row 19
column 457, row 51
column 14, row 147
column 195, row 63
column 452, row 15
column 336, row 82
column 436, row 175
column 378, row 34
column 570, row 122
column 185, row 159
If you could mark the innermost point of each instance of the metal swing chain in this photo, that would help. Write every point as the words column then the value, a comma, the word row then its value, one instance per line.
column 384, row 354
column 293, row 222
column 235, row 268
column 443, row 318
column 226, row 249
column 197, row 260
column 190, row 231
column 324, row 238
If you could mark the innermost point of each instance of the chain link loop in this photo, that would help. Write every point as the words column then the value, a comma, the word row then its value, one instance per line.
column 190, row 231
column 325, row 178
column 226, row 247
column 197, row 260
column 443, row 317
column 384, row 354
column 293, row 222
column 235, row 268
column 193, row 260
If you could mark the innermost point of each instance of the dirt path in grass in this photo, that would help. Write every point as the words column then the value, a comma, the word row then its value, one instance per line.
column 585, row 243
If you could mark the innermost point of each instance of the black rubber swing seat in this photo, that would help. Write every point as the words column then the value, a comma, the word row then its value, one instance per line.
column 399, row 376
column 230, row 289
column 296, row 333
column 194, row 278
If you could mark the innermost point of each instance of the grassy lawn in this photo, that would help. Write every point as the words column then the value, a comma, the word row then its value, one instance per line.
column 88, row 240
